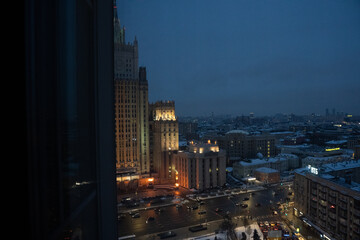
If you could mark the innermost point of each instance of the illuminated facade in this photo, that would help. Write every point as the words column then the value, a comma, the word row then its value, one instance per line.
column 202, row 167
column 164, row 138
column 131, row 106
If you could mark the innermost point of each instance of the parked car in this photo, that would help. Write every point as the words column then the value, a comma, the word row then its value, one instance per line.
column 150, row 219
column 218, row 209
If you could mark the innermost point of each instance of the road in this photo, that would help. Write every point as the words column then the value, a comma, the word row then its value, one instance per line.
column 173, row 218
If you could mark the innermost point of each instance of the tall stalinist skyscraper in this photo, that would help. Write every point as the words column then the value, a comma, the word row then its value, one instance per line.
column 131, row 105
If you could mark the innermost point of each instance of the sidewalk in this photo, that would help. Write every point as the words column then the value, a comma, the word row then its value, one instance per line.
column 184, row 233
column 234, row 191
column 294, row 222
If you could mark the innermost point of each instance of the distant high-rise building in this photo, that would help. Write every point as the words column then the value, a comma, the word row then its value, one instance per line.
column 164, row 130
column 131, row 106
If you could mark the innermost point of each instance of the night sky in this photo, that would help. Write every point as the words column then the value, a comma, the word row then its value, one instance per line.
column 236, row 56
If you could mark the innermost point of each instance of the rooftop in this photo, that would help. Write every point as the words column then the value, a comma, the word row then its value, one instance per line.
column 266, row 170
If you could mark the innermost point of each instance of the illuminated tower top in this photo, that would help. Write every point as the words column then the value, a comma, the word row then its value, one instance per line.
column 163, row 111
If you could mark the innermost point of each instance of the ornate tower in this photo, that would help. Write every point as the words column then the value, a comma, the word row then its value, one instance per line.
column 131, row 106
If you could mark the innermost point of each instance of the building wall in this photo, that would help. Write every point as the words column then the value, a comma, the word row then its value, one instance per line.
column 126, row 124
column 144, row 142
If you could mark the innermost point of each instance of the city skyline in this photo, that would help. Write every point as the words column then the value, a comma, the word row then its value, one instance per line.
column 259, row 57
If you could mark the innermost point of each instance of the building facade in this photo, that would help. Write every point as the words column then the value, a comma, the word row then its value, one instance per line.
column 131, row 107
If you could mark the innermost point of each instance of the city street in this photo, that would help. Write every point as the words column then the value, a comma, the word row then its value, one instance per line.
column 171, row 217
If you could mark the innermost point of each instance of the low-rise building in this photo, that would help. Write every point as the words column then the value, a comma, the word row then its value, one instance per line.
column 281, row 163
column 267, row 175
column 203, row 166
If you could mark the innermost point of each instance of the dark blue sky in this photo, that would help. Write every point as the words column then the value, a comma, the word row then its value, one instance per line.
column 237, row 56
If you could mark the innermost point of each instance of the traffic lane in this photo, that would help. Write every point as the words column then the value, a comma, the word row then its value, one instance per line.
column 172, row 218
column 169, row 218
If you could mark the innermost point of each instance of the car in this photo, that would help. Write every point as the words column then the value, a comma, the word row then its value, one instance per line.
column 158, row 210
column 244, row 205
column 178, row 206
column 202, row 212
column 202, row 203
column 290, row 193
column 197, row 228
column 275, row 213
column 167, row 234
column 245, row 198
column 237, row 204
column 194, row 207
column 218, row 209
column 150, row 219
column 136, row 215
column 257, row 205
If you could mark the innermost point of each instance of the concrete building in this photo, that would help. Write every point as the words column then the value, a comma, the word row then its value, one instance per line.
column 330, row 199
column 202, row 167
column 164, row 138
column 131, row 107
column 240, row 145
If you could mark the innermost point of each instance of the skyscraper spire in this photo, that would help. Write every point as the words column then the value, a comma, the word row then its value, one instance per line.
column 119, row 33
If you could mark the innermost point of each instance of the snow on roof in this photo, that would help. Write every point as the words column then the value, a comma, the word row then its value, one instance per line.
column 266, row 170
column 238, row 131
column 337, row 142
column 253, row 162
column 341, row 165
column 286, row 132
